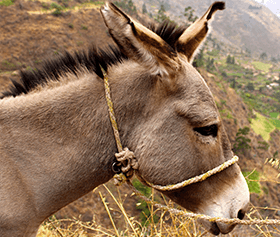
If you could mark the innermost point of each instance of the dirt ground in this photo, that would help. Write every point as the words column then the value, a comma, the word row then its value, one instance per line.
column 28, row 35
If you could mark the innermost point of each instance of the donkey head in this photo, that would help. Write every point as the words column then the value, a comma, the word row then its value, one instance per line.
column 168, row 117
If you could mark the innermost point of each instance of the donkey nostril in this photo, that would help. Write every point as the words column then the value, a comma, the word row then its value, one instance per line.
column 241, row 214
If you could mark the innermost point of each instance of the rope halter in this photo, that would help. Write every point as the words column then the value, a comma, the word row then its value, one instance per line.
column 127, row 162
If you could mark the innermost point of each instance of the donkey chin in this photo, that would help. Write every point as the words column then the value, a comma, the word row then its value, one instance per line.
column 228, row 201
column 232, row 203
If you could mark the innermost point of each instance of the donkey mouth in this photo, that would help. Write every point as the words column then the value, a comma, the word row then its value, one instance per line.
column 216, row 228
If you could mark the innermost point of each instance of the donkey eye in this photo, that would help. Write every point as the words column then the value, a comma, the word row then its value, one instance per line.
column 211, row 130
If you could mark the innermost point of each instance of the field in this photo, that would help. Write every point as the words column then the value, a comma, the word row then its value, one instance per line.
column 262, row 66
column 263, row 126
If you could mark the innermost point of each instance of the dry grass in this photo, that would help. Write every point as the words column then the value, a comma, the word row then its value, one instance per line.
column 167, row 224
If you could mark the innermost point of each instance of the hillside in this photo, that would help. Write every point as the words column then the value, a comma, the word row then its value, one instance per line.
column 31, row 33
column 245, row 24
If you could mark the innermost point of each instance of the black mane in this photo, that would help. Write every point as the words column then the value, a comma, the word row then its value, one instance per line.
column 94, row 60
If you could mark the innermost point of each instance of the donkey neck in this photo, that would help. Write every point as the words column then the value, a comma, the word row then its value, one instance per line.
column 60, row 140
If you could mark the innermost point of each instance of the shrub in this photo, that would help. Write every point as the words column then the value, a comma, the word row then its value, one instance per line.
column 224, row 74
column 199, row 59
column 241, row 141
column 189, row 14
column 58, row 9
column 252, row 179
column 144, row 9
column 126, row 5
column 6, row 3
column 84, row 27
column 230, row 60
column 233, row 83
column 210, row 64
column 145, row 208
column 263, row 145
column 250, row 86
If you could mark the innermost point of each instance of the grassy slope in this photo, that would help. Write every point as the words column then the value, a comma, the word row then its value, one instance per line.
column 262, row 126
column 257, row 73
column 262, row 66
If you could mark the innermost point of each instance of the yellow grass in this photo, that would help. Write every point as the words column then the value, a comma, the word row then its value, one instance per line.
column 167, row 225
column 262, row 126
column 262, row 66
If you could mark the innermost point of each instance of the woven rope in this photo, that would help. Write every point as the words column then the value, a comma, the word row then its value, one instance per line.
column 125, row 157
column 195, row 179
column 112, row 114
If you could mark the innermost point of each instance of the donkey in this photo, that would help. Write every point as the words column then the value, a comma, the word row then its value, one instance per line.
column 57, row 142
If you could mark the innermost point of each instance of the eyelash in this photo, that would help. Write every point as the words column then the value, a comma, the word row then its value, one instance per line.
column 211, row 130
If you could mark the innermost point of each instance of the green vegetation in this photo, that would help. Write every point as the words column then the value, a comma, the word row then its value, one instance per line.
column 262, row 66
column 242, row 143
column 189, row 14
column 98, row 3
column 262, row 126
column 145, row 208
column 127, row 5
column 199, row 59
column 257, row 101
column 275, row 119
column 213, row 53
column 144, row 9
column 274, row 115
column 84, row 27
column 263, row 145
column 28, row 68
column 230, row 60
column 6, row 3
column 249, row 78
column 252, row 179
column 161, row 16
column 57, row 9
column 263, row 56
column 276, row 123
column 8, row 65
column 210, row 64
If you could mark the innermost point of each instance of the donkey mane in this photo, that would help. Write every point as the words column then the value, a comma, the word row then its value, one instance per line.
column 95, row 60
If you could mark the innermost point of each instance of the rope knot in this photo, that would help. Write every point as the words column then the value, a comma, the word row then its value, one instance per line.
column 127, row 161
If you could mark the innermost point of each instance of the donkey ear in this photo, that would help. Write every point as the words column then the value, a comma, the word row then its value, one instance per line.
column 138, row 42
column 194, row 35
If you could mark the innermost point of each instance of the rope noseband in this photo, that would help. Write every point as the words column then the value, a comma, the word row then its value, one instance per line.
column 127, row 163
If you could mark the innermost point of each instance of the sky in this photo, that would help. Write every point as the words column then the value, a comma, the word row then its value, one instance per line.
column 273, row 5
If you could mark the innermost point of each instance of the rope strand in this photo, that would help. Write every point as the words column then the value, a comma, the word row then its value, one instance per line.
column 112, row 114
column 125, row 157
column 195, row 179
